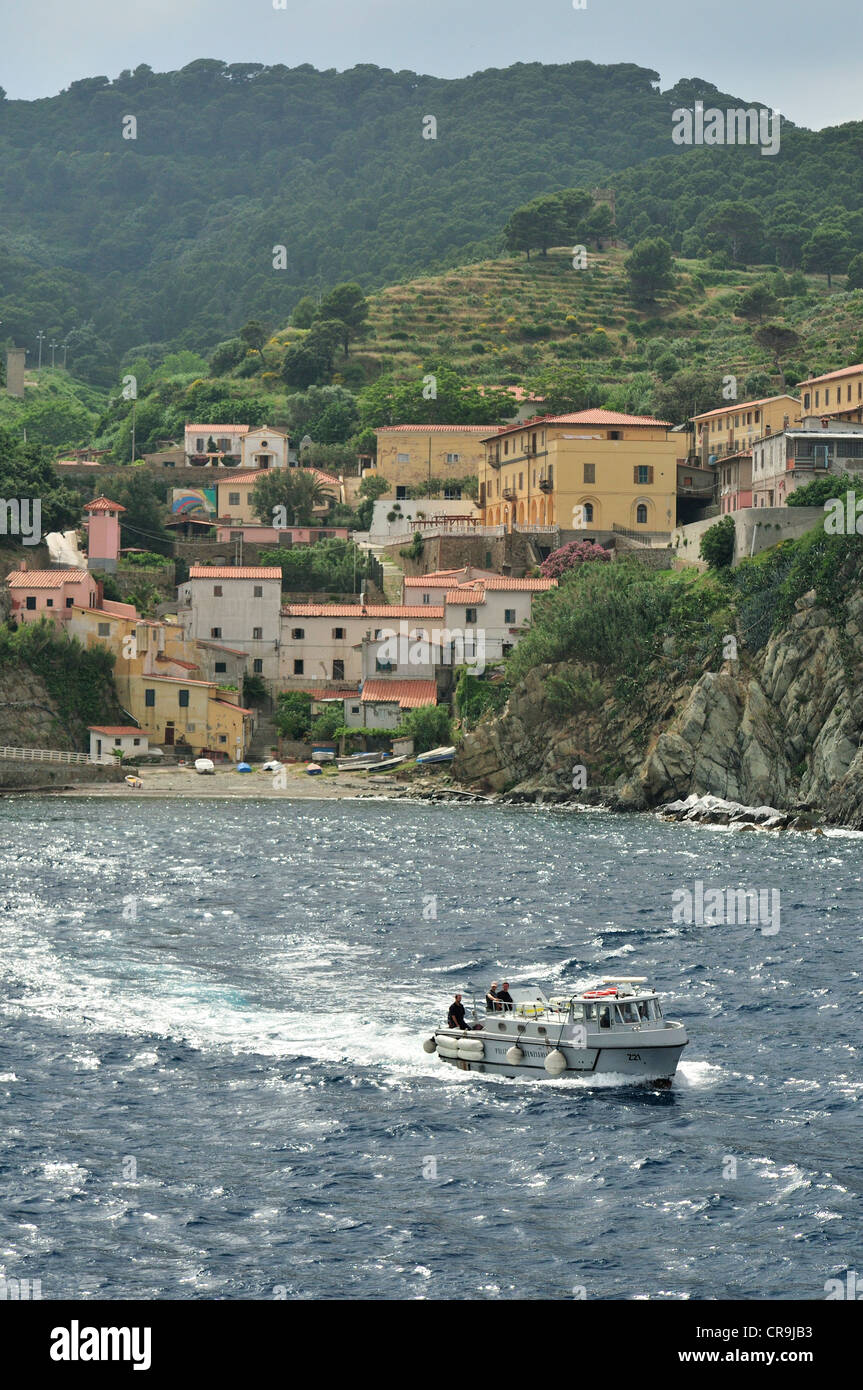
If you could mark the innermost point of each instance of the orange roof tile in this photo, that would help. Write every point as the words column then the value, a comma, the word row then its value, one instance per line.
column 251, row 475
column 232, row 706
column 505, row 583
column 466, row 595
column 410, row 694
column 103, row 504
column 580, row 417
column 218, row 429
column 234, row 572
column 425, row 429
column 829, row 376
column 45, row 579
column 354, row 610
column 117, row 730
column 734, row 407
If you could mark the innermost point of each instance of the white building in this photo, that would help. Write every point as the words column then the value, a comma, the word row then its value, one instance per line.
column 324, row 642
column 783, row 462
column 104, row 737
column 238, row 606
column 265, row 448
column 497, row 609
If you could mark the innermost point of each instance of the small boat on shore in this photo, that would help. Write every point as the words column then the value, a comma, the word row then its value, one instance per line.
column 205, row 766
column 357, row 761
column 617, row 1028
column 437, row 755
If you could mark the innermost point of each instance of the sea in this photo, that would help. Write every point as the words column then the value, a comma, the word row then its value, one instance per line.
column 213, row 1086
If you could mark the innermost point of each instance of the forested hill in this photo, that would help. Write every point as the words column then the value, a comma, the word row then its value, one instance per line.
column 168, row 237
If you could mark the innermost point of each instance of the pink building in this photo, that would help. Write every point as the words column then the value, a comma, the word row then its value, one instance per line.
column 103, row 534
column 734, row 473
column 50, row 593
column 269, row 535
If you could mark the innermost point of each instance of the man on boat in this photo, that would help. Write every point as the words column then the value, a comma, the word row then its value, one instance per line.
column 504, row 998
column 455, row 1017
column 491, row 1004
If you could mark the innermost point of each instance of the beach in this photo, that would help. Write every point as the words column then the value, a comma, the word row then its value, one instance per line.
column 227, row 783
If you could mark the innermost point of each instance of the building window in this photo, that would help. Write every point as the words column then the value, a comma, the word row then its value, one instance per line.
column 217, row 591
column 184, row 699
column 104, row 629
column 827, row 396
column 69, row 602
column 426, row 598
column 641, row 514
column 642, row 473
column 297, row 634
column 199, row 446
column 136, row 741
column 587, row 510
column 338, row 670
column 150, row 698
column 233, row 499
column 453, row 458
column 401, row 494
column 615, row 434
column 257, row 666
column 403, row 458
column 298, row 668
column 221, row 668
column 259, row 591
column 338, row 634
column 590, row 473
column 806, row 401
column 509, row 616
column 31, row 602
column 355, row 709
column 470, row 615
column 215, row 632
column 49, row 603
column 520, row 481
column 223, row 738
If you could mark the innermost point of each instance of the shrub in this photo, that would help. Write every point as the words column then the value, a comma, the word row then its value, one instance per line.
column 717, row 544
column 575, row 553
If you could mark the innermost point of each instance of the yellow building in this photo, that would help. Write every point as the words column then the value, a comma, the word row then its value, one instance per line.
column 737, row 425
column 408, row 455
column 838, row 395
column 235, row 491
column 592, row 470
column 159, row 686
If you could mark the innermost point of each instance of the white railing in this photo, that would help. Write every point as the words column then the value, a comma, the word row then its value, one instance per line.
column 42, row 755
column 535, row 530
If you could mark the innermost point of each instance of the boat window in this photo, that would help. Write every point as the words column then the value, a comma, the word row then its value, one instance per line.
column 590, row 1012
column 627, row 1013
column 605, row 1016
column 578, row 1012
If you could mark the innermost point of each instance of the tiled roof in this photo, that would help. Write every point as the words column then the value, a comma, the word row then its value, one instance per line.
column 432, row 581
column 354, row 610
column 175, row 661
column 830, row 376
column 215, row 430
column 45, row 579
column 234, row 572
column 734, row 407
column 219, row 647
column 466, row 596
column 103, row 504
column 231, row 706
column 252, row 475
column 410, row 694
column 436, row 429
column 507, row 584
column 580, row 417
column 116, row 730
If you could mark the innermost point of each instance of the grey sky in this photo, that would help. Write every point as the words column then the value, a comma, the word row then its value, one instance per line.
column 785, row 52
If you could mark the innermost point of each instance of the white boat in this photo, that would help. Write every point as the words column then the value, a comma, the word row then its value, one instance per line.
column 615, row 1028
column 357, row 761
column 205, row 766
column 437, row 755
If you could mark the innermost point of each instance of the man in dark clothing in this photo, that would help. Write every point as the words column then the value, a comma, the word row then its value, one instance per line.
column 504, row 998
column 455, row 1017
column 491, row 1004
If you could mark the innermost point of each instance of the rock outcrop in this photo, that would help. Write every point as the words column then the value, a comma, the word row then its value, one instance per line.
column 782, row 729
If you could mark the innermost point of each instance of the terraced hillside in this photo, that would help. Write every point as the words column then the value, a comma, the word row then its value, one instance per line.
column 506, row 320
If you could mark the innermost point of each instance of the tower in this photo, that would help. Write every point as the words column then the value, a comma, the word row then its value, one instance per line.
column 103, row 534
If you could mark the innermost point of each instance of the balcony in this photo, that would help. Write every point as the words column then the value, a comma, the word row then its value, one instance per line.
column 546, row 484
column 510, row 494
column 494, row 460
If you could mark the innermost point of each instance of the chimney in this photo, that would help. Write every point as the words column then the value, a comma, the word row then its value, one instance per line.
column 22, row 564
column 825, row 422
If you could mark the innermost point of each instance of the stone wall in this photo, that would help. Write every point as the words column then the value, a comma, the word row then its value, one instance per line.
column 765, row 525
column 27, row 776
column 508, row 554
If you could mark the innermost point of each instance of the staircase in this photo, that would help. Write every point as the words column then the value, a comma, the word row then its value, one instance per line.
column 264, row 739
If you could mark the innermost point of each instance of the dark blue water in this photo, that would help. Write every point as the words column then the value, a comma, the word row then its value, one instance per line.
column 212, row 1082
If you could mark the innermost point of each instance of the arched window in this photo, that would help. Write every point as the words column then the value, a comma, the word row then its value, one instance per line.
column 587, row 508
column 641, row 514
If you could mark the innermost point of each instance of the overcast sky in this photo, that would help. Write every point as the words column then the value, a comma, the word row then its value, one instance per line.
column 800, row 58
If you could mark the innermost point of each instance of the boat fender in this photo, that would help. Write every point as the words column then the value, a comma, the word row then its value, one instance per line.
column 555, row 1062
column 447, row 1047
column 515, row 1055
column 429, row 1045
column 471, row 1050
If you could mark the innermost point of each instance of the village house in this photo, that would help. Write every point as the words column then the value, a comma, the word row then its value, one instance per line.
column 35, row 594
column 382, row 704
column 734, row 428
column 792, row 458
column 228, row 440
column 497, row 607
column 409, row 455
column 103, row 534
column 836, row 395
column 322, row 643
column 238, row 605
column 591, row 470
column 234, row 504
column 129, row 741
column 734, row 477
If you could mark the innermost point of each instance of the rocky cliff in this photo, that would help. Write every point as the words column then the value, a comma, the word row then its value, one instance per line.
column 782, row 727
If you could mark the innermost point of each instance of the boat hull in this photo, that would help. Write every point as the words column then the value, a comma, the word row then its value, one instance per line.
column 643, row 1065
